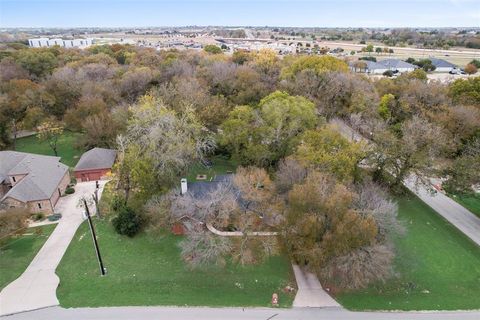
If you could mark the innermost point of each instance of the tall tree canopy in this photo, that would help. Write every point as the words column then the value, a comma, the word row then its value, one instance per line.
column 268, row 132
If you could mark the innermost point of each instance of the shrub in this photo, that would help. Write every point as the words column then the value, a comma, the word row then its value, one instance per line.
column 476, row 63
column 117, row 202
column 38, row 216
column 388, row 73
column 213, row 49
column 471, row 68
column 73, row 181
column 128, row 222
column 12, row 220
column 69, row 190
column 368, row 59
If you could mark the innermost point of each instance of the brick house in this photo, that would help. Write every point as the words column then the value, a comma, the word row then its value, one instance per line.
column 31, row 180
column 95, row 164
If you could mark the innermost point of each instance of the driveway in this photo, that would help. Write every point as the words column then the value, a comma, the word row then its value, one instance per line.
column 310, row 292
column 449, row 209
column 36, row 287
column 184, row 313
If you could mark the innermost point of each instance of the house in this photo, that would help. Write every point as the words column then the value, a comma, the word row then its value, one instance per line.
column 95, row 164
column 397, row 65
column 442, row 65
column 31, row 180
column 367, row 66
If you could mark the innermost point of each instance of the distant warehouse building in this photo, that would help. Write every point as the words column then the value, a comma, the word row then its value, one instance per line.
column 95, row 164
column 64, row 43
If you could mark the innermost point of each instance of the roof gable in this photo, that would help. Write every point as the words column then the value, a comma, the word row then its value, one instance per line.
column 96, row 158
column 43, row 175
column 396, row 63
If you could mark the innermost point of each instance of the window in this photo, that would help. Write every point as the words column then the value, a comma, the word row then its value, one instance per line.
column 39, row 205
column 14, row 180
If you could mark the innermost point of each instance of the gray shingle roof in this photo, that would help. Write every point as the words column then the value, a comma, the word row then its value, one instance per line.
column 440, row 63
column 396, row 63
column 43, row 175
column 96, row 158
column 371, row 65
column 8, row 160
column 200, row 189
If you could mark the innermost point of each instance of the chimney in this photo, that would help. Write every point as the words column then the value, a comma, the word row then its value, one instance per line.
column 183, row 184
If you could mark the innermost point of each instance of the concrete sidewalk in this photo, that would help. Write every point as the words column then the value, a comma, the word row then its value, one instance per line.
column 36, row 287
column 310, row 292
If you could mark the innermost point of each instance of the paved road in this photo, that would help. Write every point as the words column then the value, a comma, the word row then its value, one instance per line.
column 36, row 287
column 310, row 292
column 174, row 313
column 459, row 216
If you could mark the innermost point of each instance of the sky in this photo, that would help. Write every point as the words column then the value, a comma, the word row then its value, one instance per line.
column 300, row 13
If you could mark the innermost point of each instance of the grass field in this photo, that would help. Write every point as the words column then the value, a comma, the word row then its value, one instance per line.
column 438, row 267
column 17, row 252
column 148, row 270
column 220, row 166
column 66, row 147
column 471, row 202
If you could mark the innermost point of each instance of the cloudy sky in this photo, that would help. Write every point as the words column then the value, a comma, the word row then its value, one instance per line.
column 317, row 13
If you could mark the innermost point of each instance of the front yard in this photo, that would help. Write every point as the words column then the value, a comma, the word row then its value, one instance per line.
column 471, row 202
column 438, row 267
column 148, row 270
column 17, row 252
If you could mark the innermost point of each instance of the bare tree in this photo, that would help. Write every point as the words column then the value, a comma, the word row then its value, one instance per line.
column 373, row 200
column 204, row 248
column 360, row 267
column 289, row 173
column 216, row 206
column 135, row 82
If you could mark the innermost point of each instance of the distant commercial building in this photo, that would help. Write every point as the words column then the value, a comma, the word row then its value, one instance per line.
column 64, row 43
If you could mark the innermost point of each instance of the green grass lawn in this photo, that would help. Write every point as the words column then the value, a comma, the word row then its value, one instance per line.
column 66, row 147
column 438, row 267
column 148, row 270
column 471, row 202
column 17, row 252
column 220, row 166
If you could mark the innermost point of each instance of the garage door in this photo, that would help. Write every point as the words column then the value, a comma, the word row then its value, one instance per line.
column 91, row 176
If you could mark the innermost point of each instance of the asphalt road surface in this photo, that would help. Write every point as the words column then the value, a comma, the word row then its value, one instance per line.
column 173, row 313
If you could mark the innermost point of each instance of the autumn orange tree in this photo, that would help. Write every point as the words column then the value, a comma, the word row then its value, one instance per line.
column 327, row 229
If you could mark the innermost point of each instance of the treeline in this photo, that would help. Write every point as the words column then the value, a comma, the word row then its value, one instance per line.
column 325, row 195
column 91, row 91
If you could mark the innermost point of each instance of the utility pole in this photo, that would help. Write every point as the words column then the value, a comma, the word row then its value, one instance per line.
column 94, row 237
